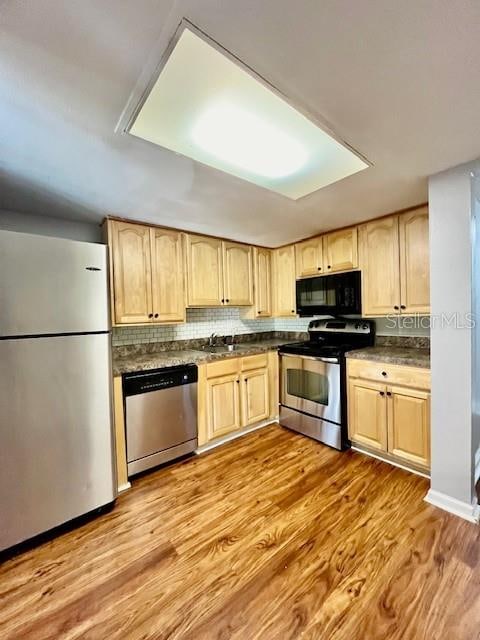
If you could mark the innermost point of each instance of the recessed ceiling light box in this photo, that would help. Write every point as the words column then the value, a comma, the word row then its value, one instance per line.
column 204, row 105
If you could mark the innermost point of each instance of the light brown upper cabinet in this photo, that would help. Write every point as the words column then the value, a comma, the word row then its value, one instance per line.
column 168, row 293
column 218, row 273
column 340, row 250
column 147, row 268
column 381, row 267
column 204, row 271
column 309, row 257
column 414, row 262
column 237, row 274
column 284, row 281
column 335, row 251
column 262, row 268
column 395, row 259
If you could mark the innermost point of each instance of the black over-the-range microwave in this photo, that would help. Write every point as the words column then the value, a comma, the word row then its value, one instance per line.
column 334, row 294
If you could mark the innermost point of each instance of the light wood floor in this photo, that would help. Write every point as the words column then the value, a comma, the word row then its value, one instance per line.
column 270, row 537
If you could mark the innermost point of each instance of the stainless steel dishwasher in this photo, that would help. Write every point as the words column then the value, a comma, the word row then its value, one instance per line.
column 161, row 415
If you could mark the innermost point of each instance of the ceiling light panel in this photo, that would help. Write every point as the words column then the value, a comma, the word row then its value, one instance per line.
column 207, row 107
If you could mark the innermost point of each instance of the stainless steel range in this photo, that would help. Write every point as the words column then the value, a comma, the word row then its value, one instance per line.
column 313, row 398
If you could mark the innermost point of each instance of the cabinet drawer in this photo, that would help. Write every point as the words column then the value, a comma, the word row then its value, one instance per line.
column 415, row 377
column 255, row 362
column 223, row 368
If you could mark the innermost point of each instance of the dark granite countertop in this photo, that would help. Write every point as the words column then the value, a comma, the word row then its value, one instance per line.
column 160, row 359
column 394, row 355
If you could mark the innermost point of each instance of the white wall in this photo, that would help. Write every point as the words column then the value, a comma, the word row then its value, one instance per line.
column 49, row 226
column 451, row 346
column 476, row 331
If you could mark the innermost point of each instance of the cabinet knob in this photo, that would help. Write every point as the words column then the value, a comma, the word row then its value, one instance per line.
column 223, row 300
column 156, row 315
column 238, row 381
column 329, row 266
column 402, row 306
column 396, row 307
column 319, row 268
column 293, row 310
column 384, row 374
column 150, row 315
column 389, row 393
column 382, row 393
column 227, row 300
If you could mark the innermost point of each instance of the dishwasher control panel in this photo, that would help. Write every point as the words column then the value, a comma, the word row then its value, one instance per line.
column 145, row 381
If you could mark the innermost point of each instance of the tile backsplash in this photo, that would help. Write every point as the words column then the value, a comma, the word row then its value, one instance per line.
column 201, row 323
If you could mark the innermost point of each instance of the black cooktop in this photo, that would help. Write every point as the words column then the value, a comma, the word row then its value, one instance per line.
column 332, row 338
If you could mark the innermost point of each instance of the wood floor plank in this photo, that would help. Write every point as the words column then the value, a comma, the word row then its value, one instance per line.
column 272, row 536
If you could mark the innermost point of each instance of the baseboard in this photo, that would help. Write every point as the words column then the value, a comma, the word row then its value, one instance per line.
column 394, row 463
column 470, row 512
column 234, row 436
column 477, row 465
column 124, row 487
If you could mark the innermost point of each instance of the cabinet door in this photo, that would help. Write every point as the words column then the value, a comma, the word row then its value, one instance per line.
column 237, row 274
column 409, row 425
column 284, row 281
column 132, row 281
column 168, row 297
column 381, row 268
column 367, row 413
column 204, row 271
column 309, row 257
column 340, row 250
column 414, row 262
column 223, row 405
column 262, row 282
column 255, row 396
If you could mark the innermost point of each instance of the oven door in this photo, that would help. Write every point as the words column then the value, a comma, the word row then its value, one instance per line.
column 311, row 385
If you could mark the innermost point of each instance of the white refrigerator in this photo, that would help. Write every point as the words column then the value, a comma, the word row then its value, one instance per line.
column 56, row 439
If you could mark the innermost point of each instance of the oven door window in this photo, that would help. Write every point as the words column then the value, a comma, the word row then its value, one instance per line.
column 311, row 386
column 308, row 385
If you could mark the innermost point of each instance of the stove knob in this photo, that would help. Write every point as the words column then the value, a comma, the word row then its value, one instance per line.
column 365, row 326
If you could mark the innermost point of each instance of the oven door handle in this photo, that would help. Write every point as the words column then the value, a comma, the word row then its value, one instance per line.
column 317, row 359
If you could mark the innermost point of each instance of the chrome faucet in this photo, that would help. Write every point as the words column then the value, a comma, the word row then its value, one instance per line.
column 211, row 340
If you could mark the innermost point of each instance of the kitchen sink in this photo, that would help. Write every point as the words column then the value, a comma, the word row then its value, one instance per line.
column 220, row 348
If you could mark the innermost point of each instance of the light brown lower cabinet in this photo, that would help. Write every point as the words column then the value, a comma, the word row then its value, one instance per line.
column 387, row 416
column 409, row 425
column 236, row 393
column 223, row 405
column 367, row 414
column 120, row 442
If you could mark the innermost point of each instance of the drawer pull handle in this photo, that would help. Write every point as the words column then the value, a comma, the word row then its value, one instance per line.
column 384, row 374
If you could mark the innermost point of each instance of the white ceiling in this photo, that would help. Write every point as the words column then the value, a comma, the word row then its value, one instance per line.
column 398, row 81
